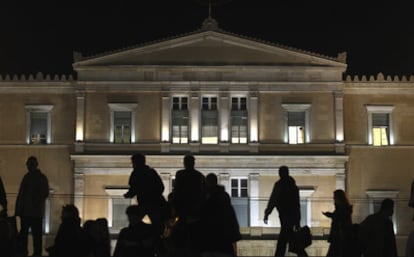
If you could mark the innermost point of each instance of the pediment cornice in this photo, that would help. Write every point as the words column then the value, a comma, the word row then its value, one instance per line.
column 218, row 37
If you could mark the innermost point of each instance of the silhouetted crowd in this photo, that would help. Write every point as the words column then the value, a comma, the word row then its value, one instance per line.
column 196, row 220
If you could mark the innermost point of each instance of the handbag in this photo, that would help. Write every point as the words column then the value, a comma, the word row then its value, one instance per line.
column 301, row 238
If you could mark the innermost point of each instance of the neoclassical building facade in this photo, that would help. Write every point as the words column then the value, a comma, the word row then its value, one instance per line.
column 241, row 106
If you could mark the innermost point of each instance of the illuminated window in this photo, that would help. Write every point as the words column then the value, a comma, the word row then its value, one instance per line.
column 239, row 120
column 122, row 127
column 180, row 120
column 122, row 123
column 296, row 127
column 297, row 123
column 380, row 129
column 240, row 200
column 379, row 125
column 39, row 124
column 209, row 122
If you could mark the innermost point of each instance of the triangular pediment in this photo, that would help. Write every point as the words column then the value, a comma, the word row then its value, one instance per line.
column 209, row 48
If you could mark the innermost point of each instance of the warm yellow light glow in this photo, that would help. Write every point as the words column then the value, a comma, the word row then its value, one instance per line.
column 194, row 130
column 296, row 135
column 224, row 134
column 165, row 134
column 237, row 140
column 209, row 140
column 79, row 133
column 379, row 136
column 340, row 137
column 146, row 219
column 254, row 134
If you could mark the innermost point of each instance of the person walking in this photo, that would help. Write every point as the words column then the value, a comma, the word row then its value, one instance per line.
column 30, row 206
column 146, row 185
column 341, row 226
column 376, row 232
column 285, row 198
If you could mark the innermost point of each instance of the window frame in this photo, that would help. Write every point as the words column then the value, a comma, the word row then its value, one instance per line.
column 122, row 107
column 40, row 109
column 112, row 194
column 181, row 139
column 297, row 107
column 380, row 109
column 237, row 200
column 211, row 107
column 244, row 115
column 239, row 187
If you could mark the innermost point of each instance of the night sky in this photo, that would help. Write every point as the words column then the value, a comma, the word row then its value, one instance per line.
column 42, row 36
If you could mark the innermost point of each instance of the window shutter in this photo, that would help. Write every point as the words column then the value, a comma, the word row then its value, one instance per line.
column 380, row 119
column 296, row 119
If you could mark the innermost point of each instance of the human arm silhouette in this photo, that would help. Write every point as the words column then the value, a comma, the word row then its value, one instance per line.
column 271, row 203
column 328, row 214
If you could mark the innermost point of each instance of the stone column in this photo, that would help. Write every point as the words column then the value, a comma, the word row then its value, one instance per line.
column 79, row 186
column 253, row 119
column 80, row 121
column 224, row 118
column 165, row 123
column 339, row 121
column 254, row 199
column 195, row 118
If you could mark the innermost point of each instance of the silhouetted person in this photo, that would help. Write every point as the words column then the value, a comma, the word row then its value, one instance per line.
column 187, row 198
column 138, row 238
column 30, row 206
column 221, row 229
column 147, row 186
column 3, row 200
column 70, row 239
column 8, row 234
column 97, row 234
column 377, row 232
column 409, row 249
column 6, row 231
column 285, row 197
column 340, row 235
column 189, row 190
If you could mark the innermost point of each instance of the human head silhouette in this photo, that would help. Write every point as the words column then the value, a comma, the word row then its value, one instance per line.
column 340, row 197
column 135, row 213
column 211, row 180
column 138, row 160
column 69, row 212
column 189, row 162
column 283, row 171
column 31, row 163
column 387, row 207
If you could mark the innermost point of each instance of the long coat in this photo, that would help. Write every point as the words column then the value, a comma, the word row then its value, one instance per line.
column 33, row 191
